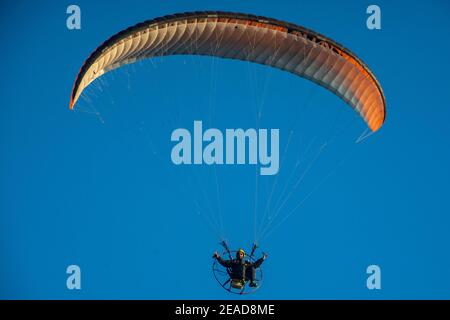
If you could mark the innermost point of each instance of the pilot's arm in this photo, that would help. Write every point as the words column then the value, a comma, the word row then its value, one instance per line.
column 259, row 262
column 224, row 263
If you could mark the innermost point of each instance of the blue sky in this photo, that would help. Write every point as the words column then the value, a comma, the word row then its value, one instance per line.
column 100, row 191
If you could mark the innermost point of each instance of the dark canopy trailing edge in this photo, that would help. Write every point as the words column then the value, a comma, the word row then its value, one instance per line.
column 261, row 40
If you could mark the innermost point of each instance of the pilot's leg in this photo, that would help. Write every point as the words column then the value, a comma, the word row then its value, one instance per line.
column 250, row 274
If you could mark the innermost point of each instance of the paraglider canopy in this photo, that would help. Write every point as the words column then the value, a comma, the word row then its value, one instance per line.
column 266, row 41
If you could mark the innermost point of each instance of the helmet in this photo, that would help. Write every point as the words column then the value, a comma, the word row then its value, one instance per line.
column 239, row 251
